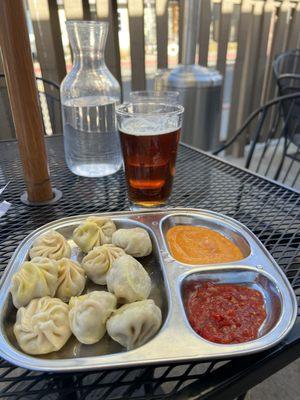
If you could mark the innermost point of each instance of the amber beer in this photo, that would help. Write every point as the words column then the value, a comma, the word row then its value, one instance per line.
column 149, row 165
column 149, row 134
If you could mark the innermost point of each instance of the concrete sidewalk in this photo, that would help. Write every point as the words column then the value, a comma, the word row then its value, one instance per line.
column 284, row 385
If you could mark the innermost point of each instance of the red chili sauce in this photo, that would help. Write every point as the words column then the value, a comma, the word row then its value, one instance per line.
column 225, row 313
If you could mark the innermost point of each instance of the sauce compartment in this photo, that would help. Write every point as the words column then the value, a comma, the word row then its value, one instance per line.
column 216, row 224
column 106, row 346
column 245, row 276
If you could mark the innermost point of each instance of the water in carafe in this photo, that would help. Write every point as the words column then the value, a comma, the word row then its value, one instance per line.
column 89, row 95
column 90, row 136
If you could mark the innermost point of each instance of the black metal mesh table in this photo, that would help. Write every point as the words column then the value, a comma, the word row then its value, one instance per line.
column 271, row 211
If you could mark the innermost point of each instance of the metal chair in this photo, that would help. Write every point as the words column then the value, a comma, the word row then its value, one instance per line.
column 286, row 68
column 271, row 130
column 49, row 96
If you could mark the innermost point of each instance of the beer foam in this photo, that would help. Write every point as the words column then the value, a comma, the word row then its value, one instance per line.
column 149, row 126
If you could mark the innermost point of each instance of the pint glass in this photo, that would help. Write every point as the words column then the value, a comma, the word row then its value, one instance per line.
column 149, row 134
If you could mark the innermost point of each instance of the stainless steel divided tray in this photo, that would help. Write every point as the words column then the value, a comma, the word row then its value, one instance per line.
column 176, row 340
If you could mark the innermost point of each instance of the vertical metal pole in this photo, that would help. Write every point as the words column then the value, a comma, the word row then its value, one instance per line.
column 191, row 18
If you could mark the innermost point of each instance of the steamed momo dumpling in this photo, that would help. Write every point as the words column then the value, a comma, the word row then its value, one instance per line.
column 36, row 278
column 71, row 279
column 99, row 260
column 51, row 245
column 128, row 280
column 94, row 231
column 88, row 315
column 135, row 241
column 134, row 324
column 42, row 326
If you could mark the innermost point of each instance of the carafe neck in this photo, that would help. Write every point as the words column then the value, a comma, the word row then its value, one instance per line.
column 88, row 59
column 87, row 39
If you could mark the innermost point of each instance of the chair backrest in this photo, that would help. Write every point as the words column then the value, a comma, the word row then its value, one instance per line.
column 49, row 96
column 49, row 93
column 286, row 69
column 274, row 140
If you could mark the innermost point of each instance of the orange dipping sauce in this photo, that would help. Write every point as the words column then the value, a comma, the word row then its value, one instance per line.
column 198, row 245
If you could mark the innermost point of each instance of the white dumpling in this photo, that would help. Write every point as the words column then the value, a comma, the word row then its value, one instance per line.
column 99, row 260
column 42, row 326
column 135, row 241
column 88, row 315
column 128, row 280
column 71, row 279
column 134, row 324
column 51, row 245
column 36, row 278
column 94, row 231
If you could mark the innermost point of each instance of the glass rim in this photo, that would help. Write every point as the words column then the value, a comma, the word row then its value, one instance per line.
column 120, row 109
column 155, row 93
column 86, row 23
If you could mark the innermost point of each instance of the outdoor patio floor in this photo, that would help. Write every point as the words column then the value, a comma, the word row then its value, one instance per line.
column 284, row 385
column 290, row 167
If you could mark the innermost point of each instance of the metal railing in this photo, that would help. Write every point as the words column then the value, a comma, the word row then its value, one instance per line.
column 238, row 37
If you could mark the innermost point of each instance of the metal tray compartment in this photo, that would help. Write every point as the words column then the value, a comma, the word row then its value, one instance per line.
column 220, row 226
column 176, row 340
column 246, row 277
column 105, row 346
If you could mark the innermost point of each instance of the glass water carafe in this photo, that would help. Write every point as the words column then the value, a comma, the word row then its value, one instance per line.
column 89, row 94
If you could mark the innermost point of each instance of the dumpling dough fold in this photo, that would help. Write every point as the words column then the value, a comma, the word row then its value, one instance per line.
column 42, row 326
column 36, row 278
column 88, row 315
column 134, row 324
column 71, row 279
column 51, row 245
column 128, row 280
column 135, row 241
column 94, row 231
column 99, row 260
